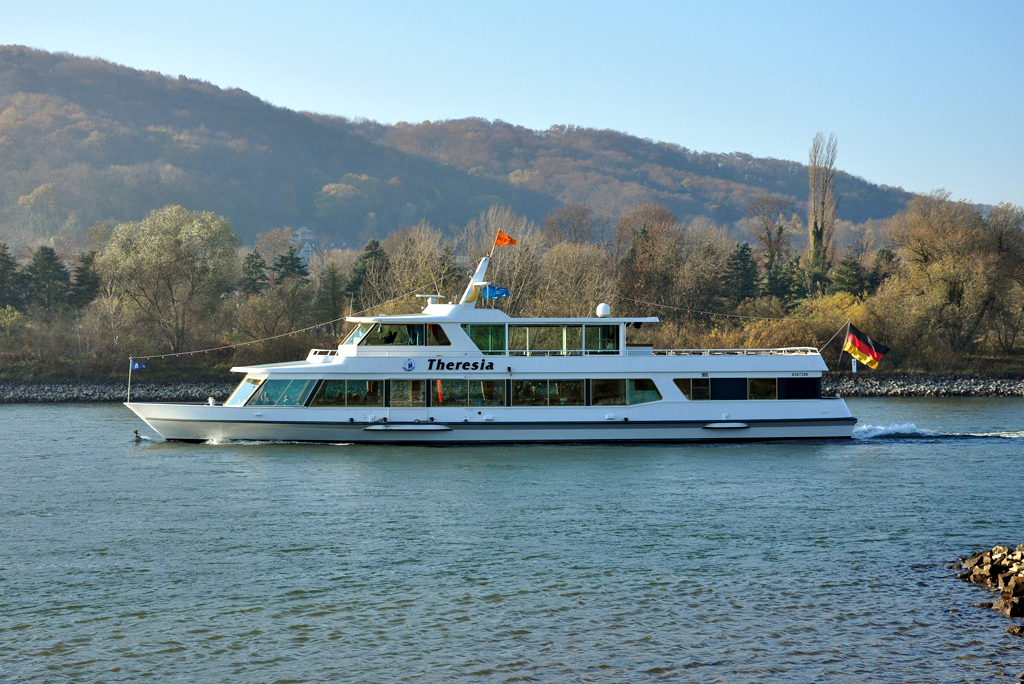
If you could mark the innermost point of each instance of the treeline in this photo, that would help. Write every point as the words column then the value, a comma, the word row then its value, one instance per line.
column 944, row 287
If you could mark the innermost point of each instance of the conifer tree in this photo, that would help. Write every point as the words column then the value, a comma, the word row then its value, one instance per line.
column 11, row 280
column 289, row 265
column 373, row 257
column 849, row 276
column 254, row 273
column 86, row 284
column 331, row 297
column 49, row 280
column 742, row 273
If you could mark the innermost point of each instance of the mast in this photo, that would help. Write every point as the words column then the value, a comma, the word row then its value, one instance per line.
column 472, row 293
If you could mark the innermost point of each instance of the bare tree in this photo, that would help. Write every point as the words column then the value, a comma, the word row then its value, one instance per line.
column 770, row 231
column 571, row 223
column 822, row 204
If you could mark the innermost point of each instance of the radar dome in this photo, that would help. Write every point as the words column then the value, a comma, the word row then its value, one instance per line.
column 603, row 311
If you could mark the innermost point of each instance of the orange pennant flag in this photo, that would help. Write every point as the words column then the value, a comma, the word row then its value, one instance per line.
column 503, row 239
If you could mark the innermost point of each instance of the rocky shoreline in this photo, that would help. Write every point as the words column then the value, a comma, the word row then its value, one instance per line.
column 70, row 391
column 998, row 569
column 869, row 385
column 143, row 389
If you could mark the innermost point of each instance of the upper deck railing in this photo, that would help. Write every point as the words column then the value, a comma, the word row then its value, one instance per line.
column 328, row 355
column 776, row 351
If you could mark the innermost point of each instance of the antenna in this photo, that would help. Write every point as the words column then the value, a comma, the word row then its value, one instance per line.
column 431, row 299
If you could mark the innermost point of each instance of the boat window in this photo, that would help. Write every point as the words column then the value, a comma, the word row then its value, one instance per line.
column 730, row 389
column 331, row 393
column 449, row 393
column 408, row 393
column 404, row 335
column 490, row 339
column 487, row 393
column 799, row 388
column 436, row 336
column 282, row 393
column 762, row 388
column 694, row 389
column 602, row 339
column 529, row 392
column 393, row 335
column 243, row 391
column 607, row 392
column 566, row 393
column 545, row 340
column 352, row 393
column 641, row 391
column 358, row 333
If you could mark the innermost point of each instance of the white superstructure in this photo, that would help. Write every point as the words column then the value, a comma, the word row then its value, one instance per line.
column 458, row 374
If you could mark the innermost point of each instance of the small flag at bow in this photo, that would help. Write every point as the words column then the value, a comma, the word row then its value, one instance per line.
column 503, row 239
column 136, row 365
column 863, row 348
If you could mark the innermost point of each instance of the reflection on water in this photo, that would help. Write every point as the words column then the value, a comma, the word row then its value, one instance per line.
column 800, row 561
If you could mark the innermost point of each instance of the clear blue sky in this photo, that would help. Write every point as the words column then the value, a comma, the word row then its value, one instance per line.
column 921, row 95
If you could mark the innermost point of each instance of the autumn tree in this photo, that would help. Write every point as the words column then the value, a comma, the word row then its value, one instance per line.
column 647, row 266
column 822, row 204
column 577, row 278
column 172, row 267
column 770, row 228
column 952, row 274
column 516, row 267
column 571, row 223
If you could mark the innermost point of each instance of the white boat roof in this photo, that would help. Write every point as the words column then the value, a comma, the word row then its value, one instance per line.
column 458, row 313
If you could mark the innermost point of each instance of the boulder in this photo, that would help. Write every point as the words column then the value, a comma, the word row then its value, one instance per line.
column 1015, row 630
column 1010, row 607
column 1014, row 587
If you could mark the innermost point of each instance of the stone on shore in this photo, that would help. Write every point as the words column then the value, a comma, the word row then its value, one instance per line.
column 999, row 569
column 68, row 391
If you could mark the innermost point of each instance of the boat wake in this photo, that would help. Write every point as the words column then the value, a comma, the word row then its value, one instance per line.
column 911, row 431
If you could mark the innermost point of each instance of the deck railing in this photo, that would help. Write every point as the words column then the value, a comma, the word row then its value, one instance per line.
column 777, row 351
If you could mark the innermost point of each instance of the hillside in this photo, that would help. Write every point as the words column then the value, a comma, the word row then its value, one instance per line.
column 610, row 170
column 84, row 141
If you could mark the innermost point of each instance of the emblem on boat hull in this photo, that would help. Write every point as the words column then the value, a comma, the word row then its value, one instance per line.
column 408, row 365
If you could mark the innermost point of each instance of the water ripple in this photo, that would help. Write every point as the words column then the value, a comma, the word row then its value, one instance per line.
column 305, row 563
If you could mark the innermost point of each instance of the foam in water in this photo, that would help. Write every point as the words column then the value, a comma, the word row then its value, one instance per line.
column 894, row 430
column 909, row 430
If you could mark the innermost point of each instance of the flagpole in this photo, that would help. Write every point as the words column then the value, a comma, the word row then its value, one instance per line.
column 130, row 363
column 840, row 359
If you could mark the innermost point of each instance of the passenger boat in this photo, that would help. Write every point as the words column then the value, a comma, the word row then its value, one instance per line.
column 458, row 374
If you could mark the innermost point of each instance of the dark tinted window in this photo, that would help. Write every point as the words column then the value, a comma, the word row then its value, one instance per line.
column 728, row 388
column 799, row 388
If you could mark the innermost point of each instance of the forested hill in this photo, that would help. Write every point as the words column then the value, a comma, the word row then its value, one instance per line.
column 84, row 141
column 609, row 170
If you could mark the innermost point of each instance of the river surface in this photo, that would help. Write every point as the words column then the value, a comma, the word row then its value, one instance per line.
column 797, row 562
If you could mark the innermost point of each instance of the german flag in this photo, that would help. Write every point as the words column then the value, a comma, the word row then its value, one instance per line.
column 863, row 348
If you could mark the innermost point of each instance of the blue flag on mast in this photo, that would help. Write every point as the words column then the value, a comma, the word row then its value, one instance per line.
column 492, row 292
column 136, row 365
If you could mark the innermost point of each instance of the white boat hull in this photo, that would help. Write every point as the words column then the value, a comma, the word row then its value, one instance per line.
column 200, row 423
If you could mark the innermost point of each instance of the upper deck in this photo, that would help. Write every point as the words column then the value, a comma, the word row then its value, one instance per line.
column 464, row 331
